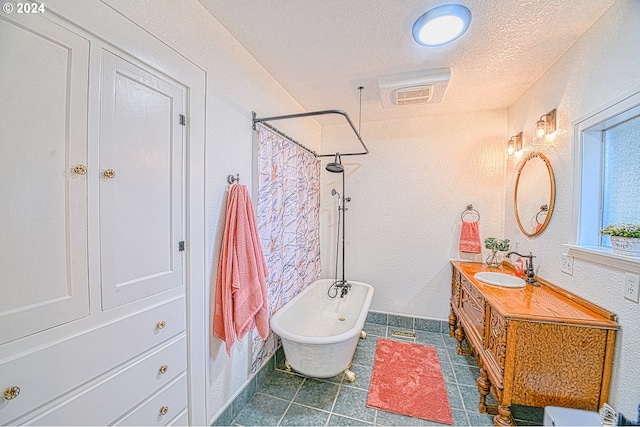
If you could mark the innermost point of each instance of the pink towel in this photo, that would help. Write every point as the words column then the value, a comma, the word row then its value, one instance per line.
column 538, row 227
column 470, row 237
column 241, row 291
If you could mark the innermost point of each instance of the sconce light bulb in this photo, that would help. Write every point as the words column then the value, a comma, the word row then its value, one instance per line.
column 511, row 147
column 541, row 128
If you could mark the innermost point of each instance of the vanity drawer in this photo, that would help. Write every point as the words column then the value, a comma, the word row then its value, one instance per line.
column 49, row 373
column 116, row 394
column 472, row 305
column 161, row 408
column 470, row 288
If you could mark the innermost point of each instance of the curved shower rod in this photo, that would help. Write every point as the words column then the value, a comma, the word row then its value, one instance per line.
column 264, row 120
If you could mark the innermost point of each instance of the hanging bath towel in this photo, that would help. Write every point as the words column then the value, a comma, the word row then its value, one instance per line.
column 241, row 291
column 470, row 237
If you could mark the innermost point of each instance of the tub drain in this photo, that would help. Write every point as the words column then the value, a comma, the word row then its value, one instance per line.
column 342, row 319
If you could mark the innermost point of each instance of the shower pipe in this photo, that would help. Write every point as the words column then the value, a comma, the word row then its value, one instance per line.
column 263, row 121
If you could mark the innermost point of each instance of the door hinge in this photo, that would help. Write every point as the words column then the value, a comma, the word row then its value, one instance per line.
column 181, row 246
column 183, row 120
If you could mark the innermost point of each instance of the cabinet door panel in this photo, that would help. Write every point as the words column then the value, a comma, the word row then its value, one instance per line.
column 141, row 142
column 43, row 127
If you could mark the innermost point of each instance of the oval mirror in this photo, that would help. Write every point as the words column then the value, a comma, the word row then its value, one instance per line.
column 534, row 194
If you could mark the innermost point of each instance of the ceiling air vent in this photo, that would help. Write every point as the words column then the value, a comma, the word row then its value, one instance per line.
column 412, row 95
column 414, row 88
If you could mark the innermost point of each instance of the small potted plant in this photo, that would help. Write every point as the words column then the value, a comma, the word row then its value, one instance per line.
column 496, row 245
column 625, row 238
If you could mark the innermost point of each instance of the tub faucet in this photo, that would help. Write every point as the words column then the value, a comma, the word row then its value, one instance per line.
column 529, row 267
column 344, row 288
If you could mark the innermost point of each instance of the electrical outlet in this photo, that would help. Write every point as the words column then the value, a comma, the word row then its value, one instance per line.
column 567, row 264
column 631, row 286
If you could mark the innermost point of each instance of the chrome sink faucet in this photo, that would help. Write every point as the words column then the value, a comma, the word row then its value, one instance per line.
column 529, row 267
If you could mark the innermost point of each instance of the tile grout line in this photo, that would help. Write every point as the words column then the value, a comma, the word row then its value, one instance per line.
column 291, row 401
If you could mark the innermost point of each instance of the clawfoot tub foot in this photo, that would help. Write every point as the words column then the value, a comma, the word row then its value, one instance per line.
column 287, row 366
column 350, row 375
column 363, row 335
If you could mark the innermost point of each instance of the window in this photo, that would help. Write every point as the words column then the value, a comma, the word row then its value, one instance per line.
column 621, row 183
column 606, row 179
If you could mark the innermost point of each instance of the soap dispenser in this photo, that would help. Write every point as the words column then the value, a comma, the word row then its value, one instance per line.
column 518, row 265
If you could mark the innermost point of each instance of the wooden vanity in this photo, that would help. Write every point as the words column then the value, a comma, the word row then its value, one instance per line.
column 536, row 346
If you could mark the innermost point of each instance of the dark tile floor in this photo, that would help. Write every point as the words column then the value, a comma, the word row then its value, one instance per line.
column 289, row 399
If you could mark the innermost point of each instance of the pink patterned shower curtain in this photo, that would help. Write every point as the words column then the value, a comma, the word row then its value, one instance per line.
column 288, row 214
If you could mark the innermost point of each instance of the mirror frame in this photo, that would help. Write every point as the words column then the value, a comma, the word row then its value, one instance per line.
column 552, row 197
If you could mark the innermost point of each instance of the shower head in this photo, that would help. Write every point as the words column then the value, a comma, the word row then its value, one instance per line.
column 336, row 165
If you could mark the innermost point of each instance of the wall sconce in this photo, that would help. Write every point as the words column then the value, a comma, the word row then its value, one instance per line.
column 514, row 144
column 546, row 124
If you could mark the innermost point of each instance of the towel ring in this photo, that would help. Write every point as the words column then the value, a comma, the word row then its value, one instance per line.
column 543, row 209
column 470, row 211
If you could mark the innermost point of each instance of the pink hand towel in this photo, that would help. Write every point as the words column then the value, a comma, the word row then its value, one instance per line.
column 470, row 237
column 241, row 291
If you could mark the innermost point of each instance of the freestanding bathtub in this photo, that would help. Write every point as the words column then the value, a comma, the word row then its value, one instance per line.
column 320, row 334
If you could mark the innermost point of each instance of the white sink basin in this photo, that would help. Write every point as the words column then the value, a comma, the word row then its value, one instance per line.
column 500, row 279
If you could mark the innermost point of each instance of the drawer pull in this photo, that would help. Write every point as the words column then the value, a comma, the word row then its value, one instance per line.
column 161, row 324
column 163, row 369
column 11, row 393
column 108, row 174
column 80, row 170
column 495, row 331
column 164, row 410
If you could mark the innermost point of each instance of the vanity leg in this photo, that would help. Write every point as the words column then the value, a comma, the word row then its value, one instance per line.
column 459, row 334
column 453, row 319
column 504, row 417
column 484, row 387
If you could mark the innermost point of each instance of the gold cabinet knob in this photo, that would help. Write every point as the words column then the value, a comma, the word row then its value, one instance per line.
column 161, row 324
column 11, row 393
column 108, row 174
column 80, row 169
column 164, row 410
column 163, row 369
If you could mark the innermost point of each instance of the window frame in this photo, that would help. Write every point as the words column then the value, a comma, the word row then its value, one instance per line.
column 587, row 150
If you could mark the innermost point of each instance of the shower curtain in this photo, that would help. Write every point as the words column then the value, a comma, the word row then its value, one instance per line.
column 288, row 215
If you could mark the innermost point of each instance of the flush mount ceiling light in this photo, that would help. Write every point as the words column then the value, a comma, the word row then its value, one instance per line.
column 441, row 25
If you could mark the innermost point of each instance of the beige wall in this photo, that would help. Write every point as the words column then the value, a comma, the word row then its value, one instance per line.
column 402, row 226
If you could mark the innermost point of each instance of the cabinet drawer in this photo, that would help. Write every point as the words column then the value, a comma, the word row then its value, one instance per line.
column 180, row 420
column 471, row 289
column 472, row 304
column 160, row 408
column 117, row 393
column 47, row 373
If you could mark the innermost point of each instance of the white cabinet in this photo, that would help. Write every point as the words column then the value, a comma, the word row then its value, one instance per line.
column 93, row 308
column 140, row 182
column 43, row 134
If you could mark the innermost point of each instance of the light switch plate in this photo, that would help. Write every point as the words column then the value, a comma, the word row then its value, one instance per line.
column 567, row 264
column 631, row 286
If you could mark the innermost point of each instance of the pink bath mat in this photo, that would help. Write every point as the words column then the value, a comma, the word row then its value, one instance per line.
column 407, row 380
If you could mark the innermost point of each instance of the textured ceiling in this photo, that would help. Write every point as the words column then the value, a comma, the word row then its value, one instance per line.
column 320, row 51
